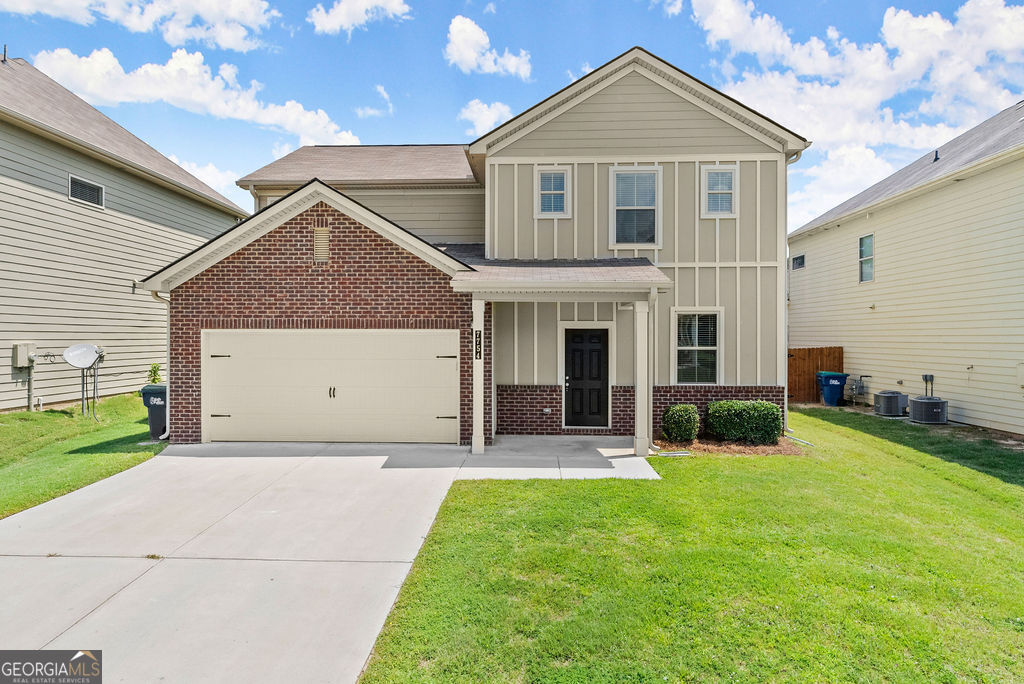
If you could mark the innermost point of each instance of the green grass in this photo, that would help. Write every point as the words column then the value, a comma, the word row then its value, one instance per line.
column 886, row 553
column 49, row 453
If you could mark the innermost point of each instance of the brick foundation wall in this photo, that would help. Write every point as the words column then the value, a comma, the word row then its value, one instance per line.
column 520, row 408
column 663, row 396
column 368, row 282
column 521, row 411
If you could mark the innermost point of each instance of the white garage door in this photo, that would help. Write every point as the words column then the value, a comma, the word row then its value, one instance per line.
column 331, row 385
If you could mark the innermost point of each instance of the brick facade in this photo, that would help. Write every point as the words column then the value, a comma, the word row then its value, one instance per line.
column 521, row 408
column 368, row 282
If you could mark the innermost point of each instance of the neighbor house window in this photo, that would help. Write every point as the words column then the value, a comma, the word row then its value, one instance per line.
column 798, row 262
column 554, row 196
column 84, row 191
column 866, row 256
column 635, row 206
column 697, row 348
column 718, row 194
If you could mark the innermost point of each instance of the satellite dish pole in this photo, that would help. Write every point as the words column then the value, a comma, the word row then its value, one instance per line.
column 86, row 357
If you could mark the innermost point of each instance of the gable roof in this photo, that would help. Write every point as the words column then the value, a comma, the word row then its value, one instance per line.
column 31, row 99
column 367, row 165
column 989, row 141
column 652, row 66
column 285, row 209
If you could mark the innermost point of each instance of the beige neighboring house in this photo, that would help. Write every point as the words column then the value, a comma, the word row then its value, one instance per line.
column 616, row 248
column 85, row 206
column 923, row 273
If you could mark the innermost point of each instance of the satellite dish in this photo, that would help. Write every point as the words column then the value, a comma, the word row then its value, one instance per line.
column 82, row 355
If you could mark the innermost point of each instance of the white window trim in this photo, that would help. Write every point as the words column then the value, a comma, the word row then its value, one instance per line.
column 103, row 188
column 613, row 172
column 861, row 259
column 719, row 348
column 704, row 170
column 537, row 213
column 794, row 257
column 565, row 326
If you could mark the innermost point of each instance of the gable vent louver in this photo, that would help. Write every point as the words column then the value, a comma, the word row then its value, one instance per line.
column 321, row 245
column 84, row 191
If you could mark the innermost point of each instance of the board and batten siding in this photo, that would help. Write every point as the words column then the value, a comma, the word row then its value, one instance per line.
column 442, row 215
column 44, row 163
column 66, row 268
column 732, row 265
column 947, row 298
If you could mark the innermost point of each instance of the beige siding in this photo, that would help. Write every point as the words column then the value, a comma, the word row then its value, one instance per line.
column 634, row 115
column 734, row 271
column 436, row 215
column 46, row 164
column 947, row 299
column 66, row 272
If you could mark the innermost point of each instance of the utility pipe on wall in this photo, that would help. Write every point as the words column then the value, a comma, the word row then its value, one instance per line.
column 167, row 367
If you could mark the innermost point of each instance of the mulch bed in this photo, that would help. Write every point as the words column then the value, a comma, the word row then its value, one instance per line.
column 711, row 446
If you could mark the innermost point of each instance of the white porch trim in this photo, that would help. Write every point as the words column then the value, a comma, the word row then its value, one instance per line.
column 641, row 380
column 478, row 352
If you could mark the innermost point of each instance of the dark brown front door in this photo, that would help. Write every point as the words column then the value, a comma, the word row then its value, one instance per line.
column 586, row 378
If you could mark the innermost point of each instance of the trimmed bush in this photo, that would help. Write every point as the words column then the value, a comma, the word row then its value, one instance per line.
column 680, row 423
column 754, row 422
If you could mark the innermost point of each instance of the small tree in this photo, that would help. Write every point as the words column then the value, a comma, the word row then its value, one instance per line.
column 154, row 374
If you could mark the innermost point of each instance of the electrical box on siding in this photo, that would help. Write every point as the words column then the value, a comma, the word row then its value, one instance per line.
column 21, row 353
column 1020, row 373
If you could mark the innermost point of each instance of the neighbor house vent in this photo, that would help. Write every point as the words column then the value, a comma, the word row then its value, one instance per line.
column 84, row 191
column 798, row 262
column 321, row 244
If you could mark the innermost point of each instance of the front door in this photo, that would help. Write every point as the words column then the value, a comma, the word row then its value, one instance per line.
column 586, row 378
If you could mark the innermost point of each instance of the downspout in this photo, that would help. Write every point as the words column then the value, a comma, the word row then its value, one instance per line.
column 167, row 400
column 791, row 158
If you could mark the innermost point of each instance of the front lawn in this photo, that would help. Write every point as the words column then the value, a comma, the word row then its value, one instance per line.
column 49, row 453
column 883, row 554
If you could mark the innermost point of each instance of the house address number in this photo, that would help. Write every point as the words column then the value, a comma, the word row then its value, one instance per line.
column 478, row 344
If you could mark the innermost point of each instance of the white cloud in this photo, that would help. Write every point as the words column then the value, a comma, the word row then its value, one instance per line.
column 484, row 117
column 221, row 181
column 490, row 8
column 366, row 112
column 280, row 149
column 187, row 82
column 672, row 7
column 585, row 69
column 469, row 48
column 927, row 79
column 230, row 25
column 346, row 15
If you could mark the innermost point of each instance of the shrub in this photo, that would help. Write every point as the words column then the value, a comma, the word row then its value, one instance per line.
column 154, row 374
column 755, row 422
column 680, row 422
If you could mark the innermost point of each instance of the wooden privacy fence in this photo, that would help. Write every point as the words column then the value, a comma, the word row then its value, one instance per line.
column 804, row 363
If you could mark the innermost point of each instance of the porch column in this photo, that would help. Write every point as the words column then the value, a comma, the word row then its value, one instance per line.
column 477, row 350
column 641, row 379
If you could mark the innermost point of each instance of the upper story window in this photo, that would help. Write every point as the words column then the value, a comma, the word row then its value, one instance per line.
column 866, row 257
column 798, row 262
column 84, row 191
column 718, row 192
column 635, row 206
column 554, row 196
column 697, row 352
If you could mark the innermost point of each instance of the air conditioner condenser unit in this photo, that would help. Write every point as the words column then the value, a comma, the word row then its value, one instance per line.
column 891, row 403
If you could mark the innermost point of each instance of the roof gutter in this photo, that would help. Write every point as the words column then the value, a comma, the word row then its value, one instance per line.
column 470, row 183
column 978, row 167
column 117, row 160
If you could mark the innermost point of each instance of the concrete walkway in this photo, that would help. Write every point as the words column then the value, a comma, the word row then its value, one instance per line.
column 246, row 562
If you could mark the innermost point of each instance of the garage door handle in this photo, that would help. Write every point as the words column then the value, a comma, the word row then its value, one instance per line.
column 446, row 356
column 220, row 415
column 220, row 356
column 447, row 417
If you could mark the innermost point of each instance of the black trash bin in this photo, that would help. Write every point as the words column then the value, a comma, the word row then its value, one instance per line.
column 154, row 398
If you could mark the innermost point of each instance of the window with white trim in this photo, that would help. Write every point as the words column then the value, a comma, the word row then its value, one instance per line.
column 554, row 195
column 635, row 206
column 866, row 258
column 697, row 348
column 718, row 191
column 84, row 191
column 798, row 262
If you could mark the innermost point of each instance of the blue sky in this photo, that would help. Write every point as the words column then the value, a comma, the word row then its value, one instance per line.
column 225, row 88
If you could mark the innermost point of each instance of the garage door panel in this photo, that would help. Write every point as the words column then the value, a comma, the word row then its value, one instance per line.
column 389, row 385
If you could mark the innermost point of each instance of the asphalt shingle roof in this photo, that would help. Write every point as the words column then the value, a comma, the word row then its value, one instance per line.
column 367, row 164
column 1001, row 133
column 28, row 94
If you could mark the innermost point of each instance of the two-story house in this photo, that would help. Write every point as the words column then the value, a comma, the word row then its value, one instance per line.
column 616, row 248
column 85, row 206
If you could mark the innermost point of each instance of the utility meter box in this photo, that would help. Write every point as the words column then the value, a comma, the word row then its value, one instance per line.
column 21, row 353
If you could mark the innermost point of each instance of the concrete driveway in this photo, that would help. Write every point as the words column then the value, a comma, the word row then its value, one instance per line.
column 266, row 562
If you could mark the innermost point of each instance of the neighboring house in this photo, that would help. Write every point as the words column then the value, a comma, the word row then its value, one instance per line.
column 922, row 274
column 84, row 207
column 631, row 226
